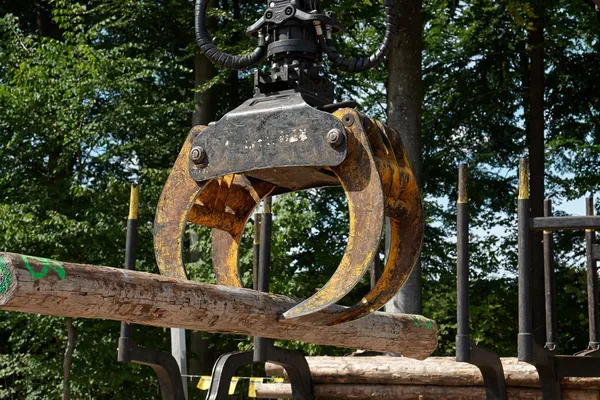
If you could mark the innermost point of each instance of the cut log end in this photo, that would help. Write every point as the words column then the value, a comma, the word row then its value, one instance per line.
column 8, row 282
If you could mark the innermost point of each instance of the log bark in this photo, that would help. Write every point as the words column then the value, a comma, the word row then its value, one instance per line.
column 409, row 392
column 40, row 286
column 434, row 371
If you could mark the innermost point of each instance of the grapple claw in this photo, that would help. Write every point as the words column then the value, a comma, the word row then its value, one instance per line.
column 405, row 211
column 176, row 201
column 224, row 204
column 242, row 200
column 366, row 158
column 360, row 179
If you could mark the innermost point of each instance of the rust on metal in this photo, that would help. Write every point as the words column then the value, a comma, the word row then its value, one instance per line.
column 242, row 200
column 177, row 198
column 360, row 179
column 377, row 181
column 405, row 211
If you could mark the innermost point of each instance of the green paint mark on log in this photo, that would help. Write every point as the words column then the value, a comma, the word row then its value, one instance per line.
column 415, row 319
column 5, row 278
column 47, row 264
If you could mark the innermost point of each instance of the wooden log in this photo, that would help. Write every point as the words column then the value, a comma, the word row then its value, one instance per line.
column 437, row 371
column 41, row 286
column 409, row 392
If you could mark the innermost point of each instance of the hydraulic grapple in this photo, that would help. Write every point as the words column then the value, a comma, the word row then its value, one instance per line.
column 292, row 136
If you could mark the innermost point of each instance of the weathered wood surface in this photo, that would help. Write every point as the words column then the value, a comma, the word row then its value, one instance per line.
column 435, row 371
column 409, row 392
column 40, row 286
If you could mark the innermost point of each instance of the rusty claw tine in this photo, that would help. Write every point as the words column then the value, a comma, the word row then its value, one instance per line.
column 242, row 200
column 175, row 202
column 362, row 185
column 404, row 206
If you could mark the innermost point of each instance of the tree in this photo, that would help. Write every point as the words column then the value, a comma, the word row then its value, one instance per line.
column 64, row 190
column 404, row 102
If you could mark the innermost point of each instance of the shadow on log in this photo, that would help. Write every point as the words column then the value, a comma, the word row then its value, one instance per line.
column 41, row 286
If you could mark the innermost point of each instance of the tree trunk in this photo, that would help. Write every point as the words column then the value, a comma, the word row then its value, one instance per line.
column 205, row 109
column 68, row 361
column 404, row 102
column 41, row 286
column 537, row 165
column 46, row 26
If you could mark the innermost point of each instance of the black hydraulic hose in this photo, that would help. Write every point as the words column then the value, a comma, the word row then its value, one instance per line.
column 211, row 51
column 376, row 58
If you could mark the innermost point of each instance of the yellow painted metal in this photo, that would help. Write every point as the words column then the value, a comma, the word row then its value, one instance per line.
column 523, row 179
column 363, row 187
column 177, row 198
column 242, row 200
column 134, row 199
column 405, row 211
column 377, row 180
column 462, row 190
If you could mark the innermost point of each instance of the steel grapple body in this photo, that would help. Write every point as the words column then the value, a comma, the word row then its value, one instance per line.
column 281, row 144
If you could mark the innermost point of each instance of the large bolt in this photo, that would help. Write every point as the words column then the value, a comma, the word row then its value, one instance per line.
column 335, row 137
column 197, row 155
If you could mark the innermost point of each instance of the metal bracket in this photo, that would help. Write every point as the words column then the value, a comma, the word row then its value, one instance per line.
column 267, row 133
column 164, row 364
column 292, row 361
column 552, row 367
column 491, row 369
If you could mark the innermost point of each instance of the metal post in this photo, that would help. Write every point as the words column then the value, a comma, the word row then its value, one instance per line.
column 525, row 341
column 179, row 353
column 592, row 279
column 261, row 345
column 549, row 282
column 256, row 250
column 462, row 267
column 130, row 256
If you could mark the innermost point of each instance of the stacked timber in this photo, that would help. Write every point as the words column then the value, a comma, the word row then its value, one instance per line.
column 435, row 378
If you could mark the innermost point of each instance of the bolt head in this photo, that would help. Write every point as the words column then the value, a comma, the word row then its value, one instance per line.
column 348, row 120
column 335, row 137
column 197, row 155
